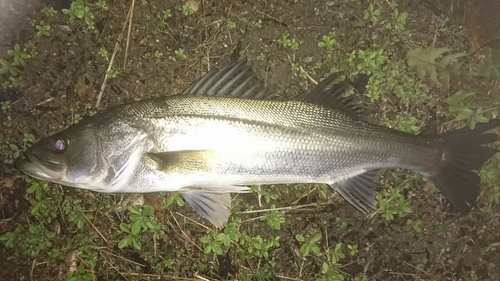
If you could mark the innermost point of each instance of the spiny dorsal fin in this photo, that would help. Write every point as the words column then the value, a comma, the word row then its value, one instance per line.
column 235, row 79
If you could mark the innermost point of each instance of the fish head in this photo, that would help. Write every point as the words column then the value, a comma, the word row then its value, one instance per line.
column 89, row 156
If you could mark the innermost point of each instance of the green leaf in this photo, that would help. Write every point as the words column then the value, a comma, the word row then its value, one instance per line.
column 133, row 209
column 427, row 63
column 299, row 238
column 136, row 228
column 124, row 227
column 123, row 243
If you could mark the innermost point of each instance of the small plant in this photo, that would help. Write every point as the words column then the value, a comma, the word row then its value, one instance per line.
column 341, row 223
column 48, row 11
column 328, row 41
column 309, row 244
column 180, row 53
column 173, row 197
column 275, row 219
column 461, row 105
column 260, row 57
column 5, row 105
column 288, row 43
column 330, row 268
column 80, row 11
column 392, row 203
column 43, row 30
column 187, row 9
column 372, row 14
column 230, row 24
column 165, row 15
column 299, row 70
column 113, row 72
column 398, row 20
column 7, row 67
column 140, row 220
column 158, row 54
column 257, row 245
column 406, row 123
column 101, row 4
column 415, row 225
column 103, row 52
column 370, row 59
column 18, row 55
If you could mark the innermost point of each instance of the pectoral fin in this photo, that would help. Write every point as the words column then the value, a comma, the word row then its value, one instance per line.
column 359, row 191
column 210, row 198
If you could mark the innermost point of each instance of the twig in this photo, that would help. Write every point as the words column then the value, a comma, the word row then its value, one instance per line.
column 117, row 44
column 287, row 208
column 95, row 228
column 128, row 33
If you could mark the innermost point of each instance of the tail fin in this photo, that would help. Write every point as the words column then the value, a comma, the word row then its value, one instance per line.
column 463, row 152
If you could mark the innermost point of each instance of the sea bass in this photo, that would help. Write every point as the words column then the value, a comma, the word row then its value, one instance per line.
column 226, row 132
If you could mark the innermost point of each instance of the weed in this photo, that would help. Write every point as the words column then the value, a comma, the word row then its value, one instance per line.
column 260, row 57
column 230, row 24
column 7, row 67
column 392, row 203
column 187, row 9
column 309, row 244
column 18, row 55
column 43, row 30
column 165, row 15
column 286, row 42
column 101, row 4
column 398, row 20
column 257, row 245
column 5, row 105
column 113, row 72
column 80, row 11
column 140, row 220
column 274, row 219
column 48, row 11
column 180, row 53
column 328, row 41
column 415, row 225
column 174, row 197
column 489, row 177
column 330, row 268
column 460, row 105
column 341, row 223
column 299, row 70
column 157, row 54
column 406, row 123
column 372, row 14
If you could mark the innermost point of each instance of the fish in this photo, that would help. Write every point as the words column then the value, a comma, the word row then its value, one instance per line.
column 227, row 132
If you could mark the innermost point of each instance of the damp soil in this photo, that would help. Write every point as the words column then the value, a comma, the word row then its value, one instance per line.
column 65, row 77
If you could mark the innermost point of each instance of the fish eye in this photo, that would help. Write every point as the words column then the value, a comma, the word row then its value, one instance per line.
column 59, row 145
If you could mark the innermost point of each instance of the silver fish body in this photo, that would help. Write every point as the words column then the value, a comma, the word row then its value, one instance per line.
column 226, row 132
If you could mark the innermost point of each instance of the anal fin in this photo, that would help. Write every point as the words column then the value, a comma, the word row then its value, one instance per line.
column 359, row 191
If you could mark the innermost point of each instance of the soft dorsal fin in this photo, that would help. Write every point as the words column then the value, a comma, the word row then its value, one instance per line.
column 331, row 94
column 235, row 79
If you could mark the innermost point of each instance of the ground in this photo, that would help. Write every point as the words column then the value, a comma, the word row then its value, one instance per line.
column 292, row 232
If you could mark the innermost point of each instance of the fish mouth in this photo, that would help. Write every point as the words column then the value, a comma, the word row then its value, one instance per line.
column 40, row 169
